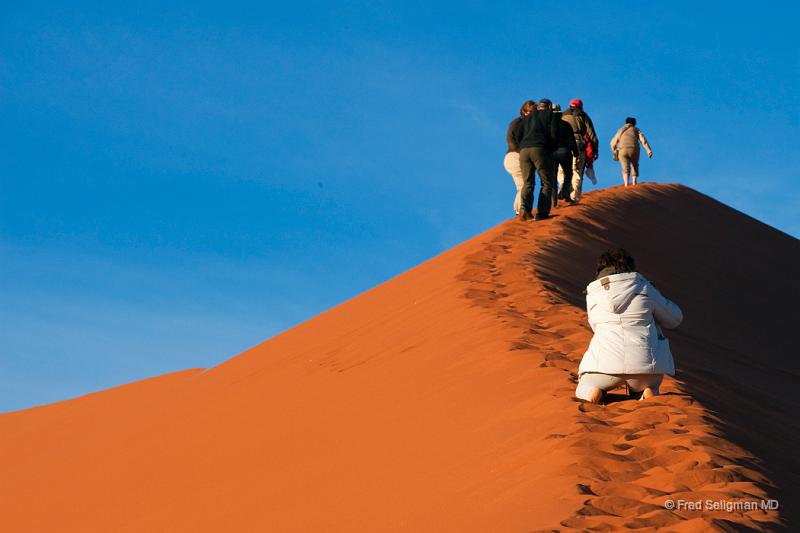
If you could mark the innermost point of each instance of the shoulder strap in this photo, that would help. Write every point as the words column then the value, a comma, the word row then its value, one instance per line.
column 579, row 121
column 619, row 135
column 580, row 124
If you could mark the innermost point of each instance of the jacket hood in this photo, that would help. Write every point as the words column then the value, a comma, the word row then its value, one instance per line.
column 615, row 292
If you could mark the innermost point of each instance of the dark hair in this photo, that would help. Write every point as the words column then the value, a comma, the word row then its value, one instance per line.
column 631, row 121
column 527, row 106
column 618, row 258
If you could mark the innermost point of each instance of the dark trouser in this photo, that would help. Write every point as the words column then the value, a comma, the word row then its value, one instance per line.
column 563, row 158
column 540, row 159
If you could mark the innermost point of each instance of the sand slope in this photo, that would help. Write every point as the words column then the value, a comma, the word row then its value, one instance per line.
column 441, row 400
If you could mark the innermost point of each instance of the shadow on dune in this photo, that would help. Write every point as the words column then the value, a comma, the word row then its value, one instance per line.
column 615, row 397
column 735, row 279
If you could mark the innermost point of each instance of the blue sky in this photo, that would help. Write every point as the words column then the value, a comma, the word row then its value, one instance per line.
column 180, row 183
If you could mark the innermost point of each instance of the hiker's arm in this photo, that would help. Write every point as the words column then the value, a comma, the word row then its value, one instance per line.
column 511, row 133
column 643, row 140
column 614, row 141
column 589, row 306
column 520, row 128
column 667, row 313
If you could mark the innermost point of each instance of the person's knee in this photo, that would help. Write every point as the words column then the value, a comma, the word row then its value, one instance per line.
column 583, row 391
column 590, row 381
column 655, row 383
column 584, row 388
column 644, row 381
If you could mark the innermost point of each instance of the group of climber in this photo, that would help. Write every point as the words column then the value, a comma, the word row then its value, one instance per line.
column 562, row 147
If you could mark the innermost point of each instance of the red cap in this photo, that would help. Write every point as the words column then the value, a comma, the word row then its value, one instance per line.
column 576, row 102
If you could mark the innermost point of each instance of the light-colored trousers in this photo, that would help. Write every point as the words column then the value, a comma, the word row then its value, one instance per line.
column 629, row 157
column 511, row 163
column 636, row 382
column 577, row 178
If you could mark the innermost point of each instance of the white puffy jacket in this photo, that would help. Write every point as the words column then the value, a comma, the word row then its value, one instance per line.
column 626, row 313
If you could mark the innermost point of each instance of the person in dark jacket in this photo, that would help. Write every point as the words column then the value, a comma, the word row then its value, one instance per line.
column 536, row 138
column 564, row 155
column 584, row 134
column 511, row 159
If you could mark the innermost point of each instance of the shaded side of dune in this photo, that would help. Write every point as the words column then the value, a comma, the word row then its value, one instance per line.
column 736, row 280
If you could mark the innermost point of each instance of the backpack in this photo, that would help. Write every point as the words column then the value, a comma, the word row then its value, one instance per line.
column 581, row 138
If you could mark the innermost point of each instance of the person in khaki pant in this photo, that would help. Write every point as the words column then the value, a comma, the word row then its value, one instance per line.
column 583, row 128
column 625, row 147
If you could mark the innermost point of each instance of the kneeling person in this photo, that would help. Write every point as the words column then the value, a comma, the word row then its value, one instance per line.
column 627, row 314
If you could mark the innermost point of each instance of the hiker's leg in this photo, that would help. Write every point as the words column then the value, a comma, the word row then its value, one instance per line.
column 543, row 160
column 647, row 384
column 592, row 381
column 625, row 163
column 526, row 191
column 511, row 162
column 564, row 169
column 577, row 178
column 635, row 165
column 559, row 170
column 561, row 183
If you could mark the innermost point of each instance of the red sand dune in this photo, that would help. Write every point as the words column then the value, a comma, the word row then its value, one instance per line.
column 442, row 400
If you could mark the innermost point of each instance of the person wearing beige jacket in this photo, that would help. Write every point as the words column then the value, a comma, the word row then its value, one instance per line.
column 625, row 147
